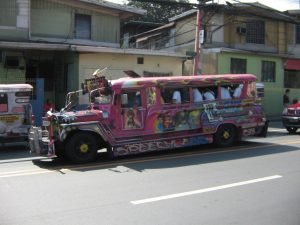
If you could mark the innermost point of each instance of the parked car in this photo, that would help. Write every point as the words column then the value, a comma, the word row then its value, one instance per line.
column 291, row 117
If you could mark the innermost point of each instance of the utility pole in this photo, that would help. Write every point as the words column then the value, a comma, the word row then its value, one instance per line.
column 197, row 63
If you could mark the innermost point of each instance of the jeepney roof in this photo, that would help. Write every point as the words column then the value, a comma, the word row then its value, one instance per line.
column 186, row 80
column 15, row 87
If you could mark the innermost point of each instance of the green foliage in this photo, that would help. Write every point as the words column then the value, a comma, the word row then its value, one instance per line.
column 160, row 11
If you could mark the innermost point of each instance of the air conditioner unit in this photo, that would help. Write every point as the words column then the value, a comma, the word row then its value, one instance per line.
column 241, row 30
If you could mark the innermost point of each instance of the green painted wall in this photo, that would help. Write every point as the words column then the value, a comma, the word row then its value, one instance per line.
column 8, row 22
column 49, row 19
column 105, row 28
column 8, row 13
column 273, row 90
column 11, row 76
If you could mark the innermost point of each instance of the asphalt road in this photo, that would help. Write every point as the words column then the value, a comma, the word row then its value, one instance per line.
column 254, row 183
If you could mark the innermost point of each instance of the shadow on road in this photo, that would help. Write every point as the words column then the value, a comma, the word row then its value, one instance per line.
column 14, row 150
column 171, row 158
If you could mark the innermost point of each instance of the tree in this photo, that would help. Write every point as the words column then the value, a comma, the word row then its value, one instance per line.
column 159, row 11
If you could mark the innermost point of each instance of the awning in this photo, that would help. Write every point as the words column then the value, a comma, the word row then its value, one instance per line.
column 292, row 64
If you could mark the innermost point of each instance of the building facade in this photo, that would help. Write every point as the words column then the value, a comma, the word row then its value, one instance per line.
column 242, row 38
column 63, row 41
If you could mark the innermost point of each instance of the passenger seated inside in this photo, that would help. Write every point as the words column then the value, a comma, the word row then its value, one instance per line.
column 209, row 95
column 197, row 96
column 131, row 99
column 185, row 95
column 238, row 91
column 137, row 99
column 166, row 95
column 176, row 97
column 225, row 94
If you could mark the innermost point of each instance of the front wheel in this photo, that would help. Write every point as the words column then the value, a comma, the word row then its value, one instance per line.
column 292, row 130
column 81, row 148
column 225, row 136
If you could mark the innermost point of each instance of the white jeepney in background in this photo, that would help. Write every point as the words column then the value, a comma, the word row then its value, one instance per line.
column 15, row 111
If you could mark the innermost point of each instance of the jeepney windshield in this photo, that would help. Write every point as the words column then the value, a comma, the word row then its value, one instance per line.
column 97, row 97
column 102, row 99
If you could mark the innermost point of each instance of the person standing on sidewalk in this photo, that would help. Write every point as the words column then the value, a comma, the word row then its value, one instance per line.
column 286, row 98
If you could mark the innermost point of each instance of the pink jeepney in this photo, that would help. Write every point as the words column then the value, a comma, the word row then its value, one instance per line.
column 137, row 115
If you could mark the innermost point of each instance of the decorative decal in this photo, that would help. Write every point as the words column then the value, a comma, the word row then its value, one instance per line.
column 160, row 145
column 212, row 112
column 132, row 118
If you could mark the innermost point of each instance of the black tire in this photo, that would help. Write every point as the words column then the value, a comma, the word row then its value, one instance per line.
column 292, row 130
column 110, row 153
column 81, row 148
column 226, row 135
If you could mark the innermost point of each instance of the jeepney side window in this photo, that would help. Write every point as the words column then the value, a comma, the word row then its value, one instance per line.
column 124, row 100
column 131, row 99
column 151, row 96
column 23, row 96
column 209, row 93
column 185, row 94
column 237, row 90
column 175, row 95
column 166, row 94
column 251, row 90
column 197, row 95
column 225, row 91
column 3, row 102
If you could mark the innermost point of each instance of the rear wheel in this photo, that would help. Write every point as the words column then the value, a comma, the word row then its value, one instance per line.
column 292, row 130
column 81, row 148
column 226, row 135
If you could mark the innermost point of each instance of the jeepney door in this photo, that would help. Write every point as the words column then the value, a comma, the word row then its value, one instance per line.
column 132, row 110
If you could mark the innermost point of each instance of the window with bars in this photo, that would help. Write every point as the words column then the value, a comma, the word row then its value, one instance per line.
column 238, row 66
column 255, row 32
column 3, row 102
column 268, row 71
column 297, row 34
column 140, row 60
column 82, row 26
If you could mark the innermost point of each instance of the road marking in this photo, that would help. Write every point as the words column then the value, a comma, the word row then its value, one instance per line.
column 182, row 194
column 29, row 172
